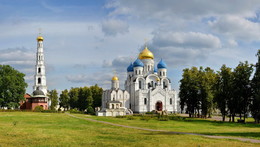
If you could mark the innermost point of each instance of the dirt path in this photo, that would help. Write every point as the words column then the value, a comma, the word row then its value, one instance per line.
column 170, row 132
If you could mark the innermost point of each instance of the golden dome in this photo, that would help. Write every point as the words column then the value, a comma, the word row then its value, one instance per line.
column 158, row 79
column 146, row 54
column 115, row 78
column 39, row 38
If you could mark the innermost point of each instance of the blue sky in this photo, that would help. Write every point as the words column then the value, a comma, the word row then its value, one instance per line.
column 86, row 41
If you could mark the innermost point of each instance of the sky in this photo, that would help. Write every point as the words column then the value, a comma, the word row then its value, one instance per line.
column 86, row 42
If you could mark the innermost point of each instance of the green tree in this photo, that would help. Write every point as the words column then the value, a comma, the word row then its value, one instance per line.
column 96, row 95
column 85, row 98
column 223, row 89
column 64, row 99
column 207, row 78
column 189, row 95
column 242, row 88
column 255, row 106
column 12, row 87
column 53, row 95
column 74, row 96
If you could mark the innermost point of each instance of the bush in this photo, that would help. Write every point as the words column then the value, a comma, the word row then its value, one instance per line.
column 163, row 118
column 130, row 117
column 120, row 116
column 149, row 113
column 90, row 110
column 145, row 117
column 38, row 109
column 176, row 118
column 74, row 111
column 49, row 111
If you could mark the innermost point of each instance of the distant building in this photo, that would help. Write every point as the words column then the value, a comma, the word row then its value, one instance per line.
column 114, row 101
column 39, row 95
column 148, row 87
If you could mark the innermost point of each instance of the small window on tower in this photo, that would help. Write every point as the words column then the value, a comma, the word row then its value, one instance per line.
column 39, row 80
column 145, row 101
column 170, row 101
column 39, row 70
column 140, row 84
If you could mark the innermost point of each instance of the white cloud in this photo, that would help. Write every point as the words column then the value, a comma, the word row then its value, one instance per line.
column 169, row 10
column 186, row 40
column 236, row 27
column 112, row 27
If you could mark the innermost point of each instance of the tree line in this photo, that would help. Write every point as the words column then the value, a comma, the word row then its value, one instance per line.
column 80, row 98
column 234, row 92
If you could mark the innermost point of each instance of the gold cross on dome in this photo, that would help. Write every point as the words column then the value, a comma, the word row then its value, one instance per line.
column 145, row 42
column 40, row 31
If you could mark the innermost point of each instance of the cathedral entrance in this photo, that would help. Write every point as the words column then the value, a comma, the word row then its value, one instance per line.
column 158, row 106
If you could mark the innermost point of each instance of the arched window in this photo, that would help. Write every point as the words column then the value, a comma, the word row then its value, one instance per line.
column 170, row 101
column 145, row 101
column 160, row 73
column 152, row 83
column 39, row 80
column 164, row 85
column 136, row 72
column 39, row 70
column 148, row 67
column 139, row 72
column 113, row 106
column 140, row 84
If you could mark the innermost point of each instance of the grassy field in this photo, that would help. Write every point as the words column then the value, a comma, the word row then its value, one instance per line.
column 193, row 125
column 47, row 129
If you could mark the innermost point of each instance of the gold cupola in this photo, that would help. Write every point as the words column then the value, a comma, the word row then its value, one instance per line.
column 146, row 54
column 39, row 38
column 114, row 78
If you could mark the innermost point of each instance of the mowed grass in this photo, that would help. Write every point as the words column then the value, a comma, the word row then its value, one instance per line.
column 53, row 129
column 193, row 125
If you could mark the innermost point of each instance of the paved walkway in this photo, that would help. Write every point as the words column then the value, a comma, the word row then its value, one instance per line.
column 170, row 132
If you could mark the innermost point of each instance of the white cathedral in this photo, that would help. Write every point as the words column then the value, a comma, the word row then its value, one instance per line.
column 147, row 89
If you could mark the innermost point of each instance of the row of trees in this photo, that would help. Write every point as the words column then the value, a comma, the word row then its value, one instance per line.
column 81, row 98
column 231, row 91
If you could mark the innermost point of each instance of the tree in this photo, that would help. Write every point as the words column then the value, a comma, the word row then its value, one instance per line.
column 96, row 95
column 242, row 88
column 189, row 91
column 12, row 87
column 223, row 89
column 207, row 78
column 73, row 94
column 53, row 95
column 64, row 99
column 255, row 105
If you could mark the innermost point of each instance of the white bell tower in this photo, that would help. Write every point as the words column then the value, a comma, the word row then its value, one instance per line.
column 39, row 77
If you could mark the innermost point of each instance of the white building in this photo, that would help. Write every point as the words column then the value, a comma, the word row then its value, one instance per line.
column 148, row 86
column 40, row 77
column 114, row 101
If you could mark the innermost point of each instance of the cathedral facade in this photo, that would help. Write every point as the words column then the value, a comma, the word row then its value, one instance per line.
column 147, row 85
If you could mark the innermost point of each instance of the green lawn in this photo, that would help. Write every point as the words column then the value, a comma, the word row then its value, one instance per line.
column 194, row 125
column 47, row 129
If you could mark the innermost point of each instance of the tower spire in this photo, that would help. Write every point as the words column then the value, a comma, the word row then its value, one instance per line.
column 39, row 77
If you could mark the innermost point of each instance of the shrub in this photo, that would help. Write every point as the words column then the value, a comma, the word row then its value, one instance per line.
column 145, row 117
column 163, row 118
column 176, row 118
column 130, row 117
column 149, row 113
column 49, row 111
column 120, row 116
column 38, row 109
column 90, row 110
column 74, row 111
